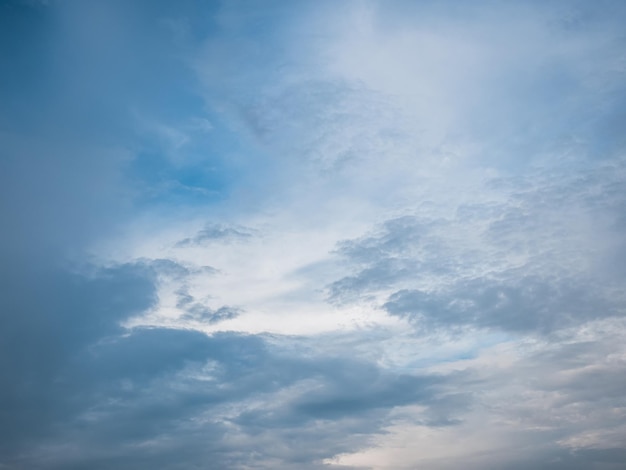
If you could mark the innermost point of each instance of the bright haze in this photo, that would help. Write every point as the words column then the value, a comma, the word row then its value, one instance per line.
column 314, row 234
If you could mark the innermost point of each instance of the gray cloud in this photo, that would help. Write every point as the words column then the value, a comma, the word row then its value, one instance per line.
column 79, row 390
column 49, row 319
column 564, row 401
column 148, row 398
column 197, row 311
column 403, row 248
column 524, row 304
column 219, row 233
column 540, row 254
column 542, row 258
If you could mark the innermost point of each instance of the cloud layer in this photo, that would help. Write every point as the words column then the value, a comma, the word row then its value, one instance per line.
column 306, row 235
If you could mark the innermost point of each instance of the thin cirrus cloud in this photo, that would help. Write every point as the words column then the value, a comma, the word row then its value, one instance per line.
column 306, row 235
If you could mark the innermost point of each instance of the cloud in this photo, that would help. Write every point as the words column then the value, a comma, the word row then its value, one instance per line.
column 149, row 395
column 216, row 233
column 534, row 403
column 528, row 260
column 46, row 326
column 197, row 312
column 525, row 304
column 397, row 244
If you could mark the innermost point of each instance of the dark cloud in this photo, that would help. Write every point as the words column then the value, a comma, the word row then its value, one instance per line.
column 338, row 400
column 49, row 318
column 148, row 398
column 79, row 390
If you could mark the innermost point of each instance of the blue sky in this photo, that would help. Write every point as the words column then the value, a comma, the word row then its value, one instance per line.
column 312, row 235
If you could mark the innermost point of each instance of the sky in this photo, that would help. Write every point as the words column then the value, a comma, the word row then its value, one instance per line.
column 323, row 234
